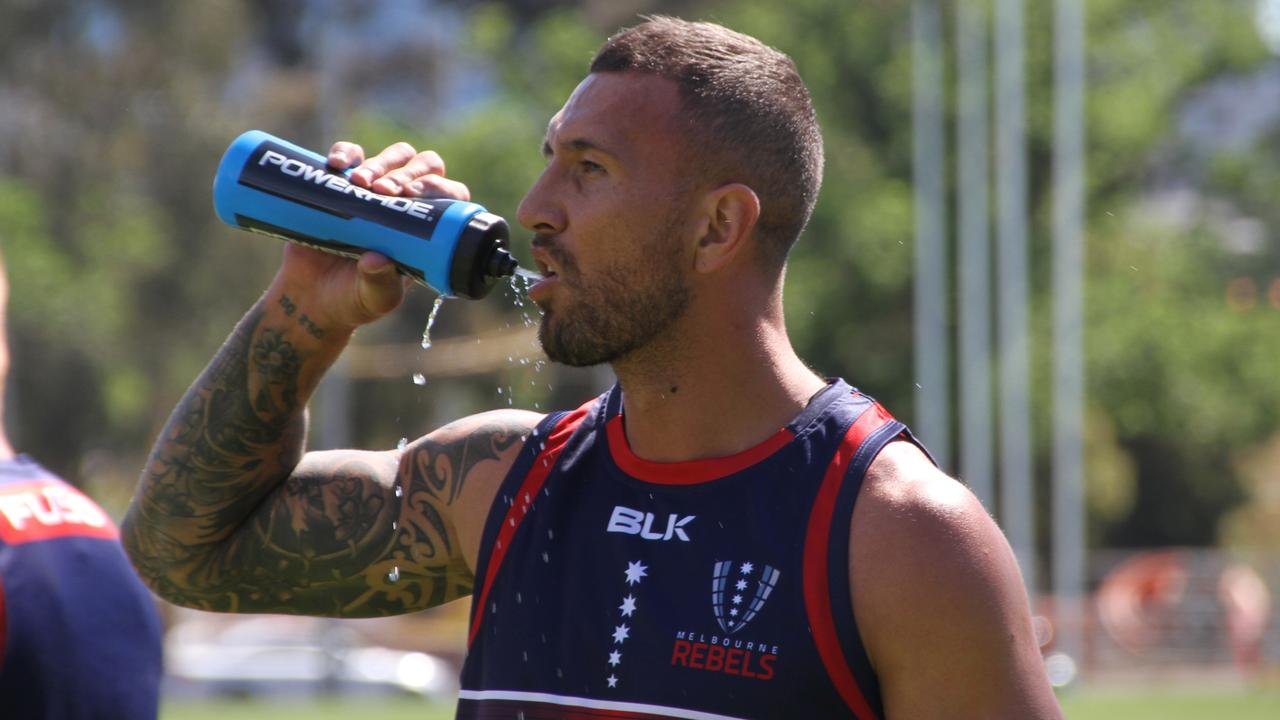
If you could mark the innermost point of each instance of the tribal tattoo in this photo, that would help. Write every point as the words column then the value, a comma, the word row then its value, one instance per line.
column 230, row 516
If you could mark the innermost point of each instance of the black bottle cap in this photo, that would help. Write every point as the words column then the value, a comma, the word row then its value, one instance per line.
column 481, row 257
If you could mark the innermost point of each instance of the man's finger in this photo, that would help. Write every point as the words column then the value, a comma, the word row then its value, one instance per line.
column 435, row 186
column 397, row 180
column 378, row 165
column 345, row 154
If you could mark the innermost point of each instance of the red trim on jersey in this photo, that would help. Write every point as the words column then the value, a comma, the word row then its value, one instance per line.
column 689, row 472
column 817, row 597
column 523, row 502
column 44, row 510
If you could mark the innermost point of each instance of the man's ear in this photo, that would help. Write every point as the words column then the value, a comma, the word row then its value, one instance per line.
column 731, row 214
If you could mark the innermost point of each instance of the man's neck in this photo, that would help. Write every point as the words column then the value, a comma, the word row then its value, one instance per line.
column 706, row 395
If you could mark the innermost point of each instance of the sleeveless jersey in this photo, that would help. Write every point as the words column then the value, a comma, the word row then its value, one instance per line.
column 79, row 632
column 609, row 586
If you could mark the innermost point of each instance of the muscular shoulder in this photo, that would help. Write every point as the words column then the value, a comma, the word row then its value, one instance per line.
column 496, row 429
column 907, row 502
column 462, row 464
column 920, row 544
column 939, row 598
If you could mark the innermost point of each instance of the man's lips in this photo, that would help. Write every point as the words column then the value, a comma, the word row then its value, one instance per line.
column 541, row 290
column 547, row 265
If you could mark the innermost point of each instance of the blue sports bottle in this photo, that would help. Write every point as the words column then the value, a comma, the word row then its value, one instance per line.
column 270, row 186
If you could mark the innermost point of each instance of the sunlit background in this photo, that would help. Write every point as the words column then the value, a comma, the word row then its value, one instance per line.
column 1047, row 238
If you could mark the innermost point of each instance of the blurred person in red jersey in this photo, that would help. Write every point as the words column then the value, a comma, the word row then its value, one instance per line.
column 80, row 637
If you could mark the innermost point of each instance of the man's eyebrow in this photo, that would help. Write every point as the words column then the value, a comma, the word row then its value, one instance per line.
column 577, row 144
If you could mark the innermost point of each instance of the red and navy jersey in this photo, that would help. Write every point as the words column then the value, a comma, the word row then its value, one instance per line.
column 609, row 586
column 79, row 633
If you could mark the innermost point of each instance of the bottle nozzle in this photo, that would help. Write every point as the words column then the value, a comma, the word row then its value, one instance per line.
column 501, row 263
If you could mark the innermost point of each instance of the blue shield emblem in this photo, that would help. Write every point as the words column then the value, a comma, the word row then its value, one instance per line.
column 739, row 591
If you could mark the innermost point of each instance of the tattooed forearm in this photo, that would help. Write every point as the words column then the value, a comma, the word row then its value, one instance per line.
column 235, row 435
column 307, row 323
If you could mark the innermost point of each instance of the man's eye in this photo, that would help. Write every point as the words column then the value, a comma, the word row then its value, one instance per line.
column 588, row 166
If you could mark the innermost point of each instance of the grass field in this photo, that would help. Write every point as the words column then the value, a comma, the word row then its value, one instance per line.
column 1110, row 705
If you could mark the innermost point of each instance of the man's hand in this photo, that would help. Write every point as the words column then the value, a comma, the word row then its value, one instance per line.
column 343, row 294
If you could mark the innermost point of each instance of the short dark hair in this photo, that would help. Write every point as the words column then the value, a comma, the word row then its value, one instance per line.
column 753, row 119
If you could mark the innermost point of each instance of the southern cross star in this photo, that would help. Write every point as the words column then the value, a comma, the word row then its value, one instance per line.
column 628, row 605
column 635, row 571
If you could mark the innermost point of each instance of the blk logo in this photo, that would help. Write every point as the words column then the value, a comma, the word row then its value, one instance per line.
column 634, row 522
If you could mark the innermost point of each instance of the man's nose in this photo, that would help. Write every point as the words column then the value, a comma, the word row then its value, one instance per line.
column 538, row 211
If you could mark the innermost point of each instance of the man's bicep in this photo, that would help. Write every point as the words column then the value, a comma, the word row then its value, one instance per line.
column 941, row 606
column 358, row 534
column 316, row 545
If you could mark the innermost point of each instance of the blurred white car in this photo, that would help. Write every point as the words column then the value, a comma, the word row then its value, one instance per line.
column 211, row 654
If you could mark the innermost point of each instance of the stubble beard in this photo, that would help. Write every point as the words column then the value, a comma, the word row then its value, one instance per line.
column 620, row 309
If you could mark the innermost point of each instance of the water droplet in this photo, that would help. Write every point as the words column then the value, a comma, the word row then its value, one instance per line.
column 431, row 320
column 559, row 673
column 519, row 599
column 419, row 379
column 545, row 557
column 394, row 575
column 526, row 659
column 403, row 442
column 499, row 391
column 399, row 491
column 394, row 524
column 550, row 535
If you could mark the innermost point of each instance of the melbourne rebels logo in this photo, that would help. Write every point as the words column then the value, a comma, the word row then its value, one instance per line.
column 738, row 593
column 737, row 597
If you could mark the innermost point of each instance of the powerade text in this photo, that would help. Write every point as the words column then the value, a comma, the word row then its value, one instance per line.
column 299, row 169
